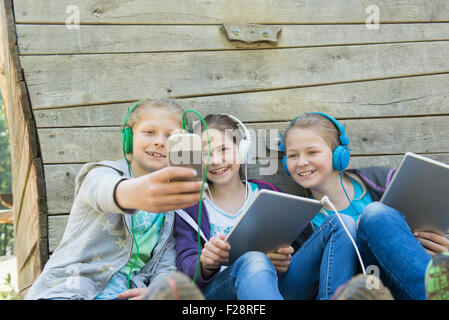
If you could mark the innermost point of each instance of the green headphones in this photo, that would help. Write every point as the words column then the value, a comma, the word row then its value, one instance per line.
column 127, row 132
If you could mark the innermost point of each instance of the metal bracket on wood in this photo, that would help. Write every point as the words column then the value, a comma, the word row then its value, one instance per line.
column 252, row 33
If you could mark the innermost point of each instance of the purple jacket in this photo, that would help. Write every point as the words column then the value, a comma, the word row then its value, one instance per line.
column 186, row 226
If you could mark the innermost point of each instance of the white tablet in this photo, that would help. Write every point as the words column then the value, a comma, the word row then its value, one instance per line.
column 420, row 191
column 273, row 219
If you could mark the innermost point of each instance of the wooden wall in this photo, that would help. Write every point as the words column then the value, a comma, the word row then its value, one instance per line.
column 29, row 201
column 389, row 86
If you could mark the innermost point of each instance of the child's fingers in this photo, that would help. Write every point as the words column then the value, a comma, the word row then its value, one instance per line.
column 175, row 199
column 168, row 173
column 434, row 237
column 130, row 293
column 428, row 244
column 217, row 248
column 281, row 270
column 279, row 257
column 220, row 243
column 178, row 187
column 211, row 260
column 285, row 250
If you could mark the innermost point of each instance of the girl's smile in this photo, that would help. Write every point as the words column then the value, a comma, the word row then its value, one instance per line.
column 223, row 166
column 155, row 155
column 307, row 173
column 220, row 171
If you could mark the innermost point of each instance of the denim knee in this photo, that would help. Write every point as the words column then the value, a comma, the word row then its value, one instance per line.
column 379, row 218
column 377, row 214
column 347, row 220
column 253, row 262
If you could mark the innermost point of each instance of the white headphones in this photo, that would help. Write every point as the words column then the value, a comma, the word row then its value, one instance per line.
column 245, row 150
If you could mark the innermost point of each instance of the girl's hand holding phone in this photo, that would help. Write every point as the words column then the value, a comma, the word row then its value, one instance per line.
column 154, row 192
column 215, row 252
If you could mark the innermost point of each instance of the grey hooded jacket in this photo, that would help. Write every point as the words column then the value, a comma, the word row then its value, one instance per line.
column 97, row 241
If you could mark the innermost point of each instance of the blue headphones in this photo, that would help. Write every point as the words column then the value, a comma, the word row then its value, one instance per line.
column 341, row 154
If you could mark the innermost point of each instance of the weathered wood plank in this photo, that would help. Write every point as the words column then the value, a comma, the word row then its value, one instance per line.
column 59, row 203
column 66, row 80
column 32, row 268
column 58, row 39
column 32, row 226
column 80, row 144
column 369, row 136
column 206, row 12
column 425, row 95
column 60, row 186
column 28, row 185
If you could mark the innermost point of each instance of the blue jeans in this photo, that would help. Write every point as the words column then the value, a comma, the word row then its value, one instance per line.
column 385, row 240
column 324, row 262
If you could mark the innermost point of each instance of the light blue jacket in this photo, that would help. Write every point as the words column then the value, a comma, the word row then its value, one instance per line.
column 97, row 241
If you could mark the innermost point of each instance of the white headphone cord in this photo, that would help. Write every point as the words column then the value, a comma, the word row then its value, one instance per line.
column 324, row 200
column 246, row 183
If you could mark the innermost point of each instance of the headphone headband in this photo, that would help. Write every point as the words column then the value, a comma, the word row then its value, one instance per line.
column 245, row 129
column 245, row 144
column 344, row 140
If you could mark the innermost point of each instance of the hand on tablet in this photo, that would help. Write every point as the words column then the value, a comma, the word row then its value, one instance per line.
column 433, row 242
column 214, row 254
column 281, row 258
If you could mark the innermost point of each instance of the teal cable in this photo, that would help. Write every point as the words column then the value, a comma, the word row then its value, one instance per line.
column 202, row 186
column 132, row 231
column 137, row 251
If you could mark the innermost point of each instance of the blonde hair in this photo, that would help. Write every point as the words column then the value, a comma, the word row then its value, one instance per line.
column 152, row 104
column 319, row 124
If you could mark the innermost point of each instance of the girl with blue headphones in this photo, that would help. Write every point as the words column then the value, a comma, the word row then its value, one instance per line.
column 316, row 155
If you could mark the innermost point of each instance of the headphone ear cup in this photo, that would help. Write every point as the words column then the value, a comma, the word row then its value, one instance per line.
column 284, row 157
column 244, row 150
column 127, row 140
column 284, row 164
column 340, row 158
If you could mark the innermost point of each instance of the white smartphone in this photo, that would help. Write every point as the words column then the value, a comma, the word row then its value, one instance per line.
column 185, row 150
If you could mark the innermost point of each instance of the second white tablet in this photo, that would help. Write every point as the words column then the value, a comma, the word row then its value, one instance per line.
column 273, row 219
